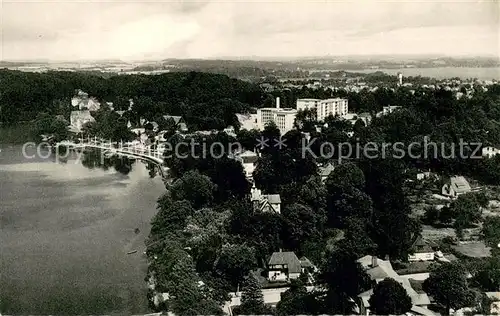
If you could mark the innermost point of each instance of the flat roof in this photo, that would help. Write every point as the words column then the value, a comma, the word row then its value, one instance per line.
column 288, row 110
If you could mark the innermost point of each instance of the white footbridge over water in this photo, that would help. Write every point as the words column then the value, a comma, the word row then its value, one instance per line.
column 128, row 149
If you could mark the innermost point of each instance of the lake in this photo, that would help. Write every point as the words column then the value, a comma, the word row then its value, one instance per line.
column 487, row 73
column 65, row 233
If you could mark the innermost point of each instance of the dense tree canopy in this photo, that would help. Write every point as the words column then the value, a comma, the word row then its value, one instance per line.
column 449, row 286
column 389, row 298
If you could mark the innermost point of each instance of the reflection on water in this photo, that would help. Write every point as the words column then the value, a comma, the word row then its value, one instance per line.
column 95, row 158
column 65, row 232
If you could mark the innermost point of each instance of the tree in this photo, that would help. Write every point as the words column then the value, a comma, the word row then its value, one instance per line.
column 491, row 230
column 346, row 196
column 343, row 279
column 297, row 301
column 392, row 227
column 389, row 298
column 171, row 216
column 195, row 188
column 449, row 287
column 301, row 223
column 188, row 298
column 235, row 262
column 488, row 275
column 252, row 300
column 466, row 211
column 346, row 175
column 49, row 125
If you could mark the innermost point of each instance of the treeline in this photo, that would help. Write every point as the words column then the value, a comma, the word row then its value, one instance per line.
column 196, row 96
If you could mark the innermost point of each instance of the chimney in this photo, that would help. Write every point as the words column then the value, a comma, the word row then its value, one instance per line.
column 277, row 102
column 374, row 261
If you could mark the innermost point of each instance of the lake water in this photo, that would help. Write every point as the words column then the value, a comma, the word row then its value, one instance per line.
column 65, row 233
column 488, row 73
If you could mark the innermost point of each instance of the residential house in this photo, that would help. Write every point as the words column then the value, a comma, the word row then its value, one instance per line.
column 78, row 119
column 249, row 160
column 179, row 122
column 265, row 202
column 388, row 109
column 230, row 131
column 247, row 121
column 426, row 175
column 489, row 151
column 365, row 117
column 378, row 270
column 83, row 102
column 286, row 266
column 422, row 251
column 325, row 171
column 456, row 186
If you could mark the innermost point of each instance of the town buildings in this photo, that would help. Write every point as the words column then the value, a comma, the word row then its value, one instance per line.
column 284, row 118
column 324, row 108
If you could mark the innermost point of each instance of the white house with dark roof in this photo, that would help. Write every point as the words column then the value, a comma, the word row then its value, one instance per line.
column 456, row 186
column 421, row 251
column 378, row 270
column 285, row 266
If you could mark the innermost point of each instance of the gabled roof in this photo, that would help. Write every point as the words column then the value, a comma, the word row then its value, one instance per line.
column 176, row 119
column 383, row 270
column 286, row 258
column 273, row 198
column 420, row 246
column 459, row 184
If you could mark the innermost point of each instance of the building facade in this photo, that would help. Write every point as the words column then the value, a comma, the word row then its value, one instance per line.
column 307, row 104
column 324, row 108
column 283, row 118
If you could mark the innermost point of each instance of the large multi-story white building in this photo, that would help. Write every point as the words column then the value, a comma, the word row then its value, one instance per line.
column 324, row 108
column 283, row 118
column 307, row 104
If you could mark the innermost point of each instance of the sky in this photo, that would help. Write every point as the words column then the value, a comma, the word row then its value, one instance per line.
column 137, row 30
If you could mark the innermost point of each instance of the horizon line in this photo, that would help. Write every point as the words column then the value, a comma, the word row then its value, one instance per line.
column 254, row 58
